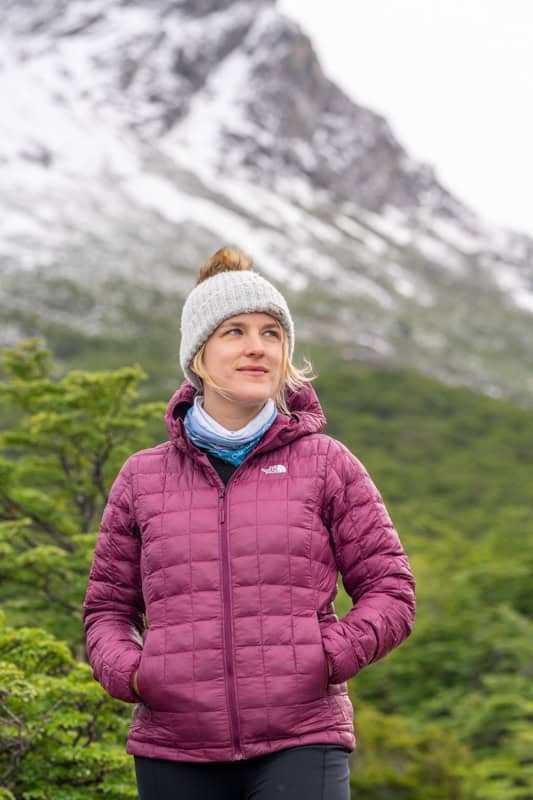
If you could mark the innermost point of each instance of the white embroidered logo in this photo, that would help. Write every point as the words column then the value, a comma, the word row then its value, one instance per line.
column 274, row 469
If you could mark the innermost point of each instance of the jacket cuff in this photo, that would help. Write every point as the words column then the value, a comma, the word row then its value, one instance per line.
column 342, row 652
column 119, row 681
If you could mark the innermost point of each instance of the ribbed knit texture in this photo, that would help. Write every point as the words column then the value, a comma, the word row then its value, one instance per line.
column 223, row 296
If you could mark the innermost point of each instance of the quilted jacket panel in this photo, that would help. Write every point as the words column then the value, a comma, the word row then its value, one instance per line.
column 222, row 596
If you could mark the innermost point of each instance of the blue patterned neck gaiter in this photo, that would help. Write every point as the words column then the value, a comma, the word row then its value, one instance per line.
column 231, row 446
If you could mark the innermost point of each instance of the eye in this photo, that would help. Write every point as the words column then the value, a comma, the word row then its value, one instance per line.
column 273, row 332
column 233, row 330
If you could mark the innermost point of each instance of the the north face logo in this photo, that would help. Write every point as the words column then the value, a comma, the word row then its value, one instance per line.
column 274, row 469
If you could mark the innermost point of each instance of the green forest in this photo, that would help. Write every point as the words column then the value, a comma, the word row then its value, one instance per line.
column 447, row 716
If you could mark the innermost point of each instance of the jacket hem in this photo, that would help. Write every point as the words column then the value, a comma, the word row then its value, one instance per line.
column 138, row 747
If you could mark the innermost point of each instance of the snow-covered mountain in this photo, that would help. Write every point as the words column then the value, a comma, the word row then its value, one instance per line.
column 138, row 137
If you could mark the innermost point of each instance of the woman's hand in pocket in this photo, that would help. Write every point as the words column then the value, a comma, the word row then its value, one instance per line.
column 134, row 684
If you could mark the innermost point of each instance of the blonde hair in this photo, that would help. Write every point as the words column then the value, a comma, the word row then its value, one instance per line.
column 227, row 259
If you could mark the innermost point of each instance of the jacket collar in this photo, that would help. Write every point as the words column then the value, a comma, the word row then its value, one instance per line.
column 306, row 417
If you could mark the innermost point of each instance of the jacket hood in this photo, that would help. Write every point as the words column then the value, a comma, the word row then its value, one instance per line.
column 306, row 417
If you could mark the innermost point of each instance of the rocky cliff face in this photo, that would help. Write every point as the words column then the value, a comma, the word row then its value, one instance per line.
column 137, row 137
column 152, row 66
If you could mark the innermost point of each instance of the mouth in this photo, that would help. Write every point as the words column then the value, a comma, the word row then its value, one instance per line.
column 255, row 370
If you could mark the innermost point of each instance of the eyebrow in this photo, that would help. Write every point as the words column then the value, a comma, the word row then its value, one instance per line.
column 242, row 323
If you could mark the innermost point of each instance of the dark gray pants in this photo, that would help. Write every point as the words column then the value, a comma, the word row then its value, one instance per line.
column 307, row 772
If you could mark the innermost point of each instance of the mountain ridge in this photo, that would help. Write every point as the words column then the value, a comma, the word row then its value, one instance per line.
column 143, row 135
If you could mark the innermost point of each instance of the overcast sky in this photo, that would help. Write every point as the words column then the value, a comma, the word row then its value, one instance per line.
column 455, row 81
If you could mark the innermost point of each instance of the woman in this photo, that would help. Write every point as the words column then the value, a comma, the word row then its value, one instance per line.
column 210, row 598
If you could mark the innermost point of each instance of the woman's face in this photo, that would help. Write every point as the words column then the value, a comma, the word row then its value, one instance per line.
column 244, row 356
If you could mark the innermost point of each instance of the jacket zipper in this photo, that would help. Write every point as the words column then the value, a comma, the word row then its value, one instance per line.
column 231, row 683
column 227, row 625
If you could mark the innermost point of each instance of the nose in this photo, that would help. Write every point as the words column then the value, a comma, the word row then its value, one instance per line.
column 254, row 344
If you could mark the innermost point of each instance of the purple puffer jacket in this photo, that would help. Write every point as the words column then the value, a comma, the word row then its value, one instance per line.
column 237, row 584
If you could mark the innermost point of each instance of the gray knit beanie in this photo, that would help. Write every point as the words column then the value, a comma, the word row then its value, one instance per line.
column 222, row 296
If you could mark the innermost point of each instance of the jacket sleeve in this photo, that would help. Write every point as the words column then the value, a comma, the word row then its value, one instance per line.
column 113, row 606
column 374, row 568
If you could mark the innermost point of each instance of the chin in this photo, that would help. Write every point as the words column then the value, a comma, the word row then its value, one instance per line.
column 250, row 399
column 249, row 396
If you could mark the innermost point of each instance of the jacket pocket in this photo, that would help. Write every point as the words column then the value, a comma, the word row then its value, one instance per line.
column 311, row 661
column 140, row 680
column 151, row 681
column 326, row 682
column 145, row 670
